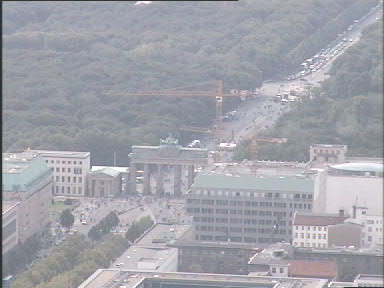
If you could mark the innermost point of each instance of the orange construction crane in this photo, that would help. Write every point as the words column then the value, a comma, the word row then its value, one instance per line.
column 216, row 93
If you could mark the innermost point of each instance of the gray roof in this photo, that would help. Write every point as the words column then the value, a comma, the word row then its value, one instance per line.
column 248, row 182
column 359, row 167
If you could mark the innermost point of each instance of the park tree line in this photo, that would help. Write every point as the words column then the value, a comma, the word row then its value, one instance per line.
column 138, row 228
column 68, row 265
column 61, row 57
column 104, row 226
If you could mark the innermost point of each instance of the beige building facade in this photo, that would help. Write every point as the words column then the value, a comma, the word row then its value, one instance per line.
column 9, row 226
column 105, row 182
column 28, row 180
column 69, row 170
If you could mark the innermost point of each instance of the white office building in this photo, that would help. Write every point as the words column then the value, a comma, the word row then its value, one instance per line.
column 341, row 186
column 69, row 170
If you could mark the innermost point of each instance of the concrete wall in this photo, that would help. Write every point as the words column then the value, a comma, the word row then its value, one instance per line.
column 9, row 228
column 333, row 193
column 345, row 234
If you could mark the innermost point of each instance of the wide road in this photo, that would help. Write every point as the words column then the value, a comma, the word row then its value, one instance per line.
column 255, row 115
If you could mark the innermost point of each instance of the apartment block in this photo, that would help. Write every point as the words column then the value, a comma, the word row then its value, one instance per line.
column 245, row 208
column 28, row 180
column 9, row 225
column 69, row 169
column 324, row 231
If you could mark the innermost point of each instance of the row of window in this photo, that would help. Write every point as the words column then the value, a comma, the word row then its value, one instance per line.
column 377, row 229
column 68, row 190
column 314, row 245
column 224, row 229
column 373, row 221
column 239, row 221
column 319, row 236
column 76, row 170
column 75, row 179
column 250, row 204
column 63, row 162
column 252, row 194
column 233, row 239
column 238, row 212
column 314, row 228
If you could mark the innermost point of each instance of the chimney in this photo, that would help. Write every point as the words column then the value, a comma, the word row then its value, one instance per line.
column 341, row 212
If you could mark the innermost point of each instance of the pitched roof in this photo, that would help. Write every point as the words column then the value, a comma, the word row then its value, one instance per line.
column 318, row 220
column 302, row 268
column 108, row 171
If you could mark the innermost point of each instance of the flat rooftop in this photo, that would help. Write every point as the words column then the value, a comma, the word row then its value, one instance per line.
column 7, row 205
column 62, row 154
column 250, row 182
column 161, row 234
column 108, row 278
column 375, row 252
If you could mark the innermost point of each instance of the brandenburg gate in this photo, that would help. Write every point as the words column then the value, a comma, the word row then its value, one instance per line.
column 156, row 158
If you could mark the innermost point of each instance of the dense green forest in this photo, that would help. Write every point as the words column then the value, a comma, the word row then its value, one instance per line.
column 347, row 108
column 59, row 58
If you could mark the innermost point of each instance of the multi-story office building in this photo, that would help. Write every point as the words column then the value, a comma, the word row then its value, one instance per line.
column 247, row 208
column 69, row 171
column 28, row 180
column 9, row 225
column 324, row 231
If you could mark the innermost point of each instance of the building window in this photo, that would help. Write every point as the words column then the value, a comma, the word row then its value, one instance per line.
column 308, row 236
column 80, row 162
column 62, row 189
column 69, row 162
column 57, row 189
column 302, row 235
column 324, row 236
column 69, row 169
column 62, row 179
column 57, row 178
column 63, row 162
column 79, row 190
column 68, row 190
column 69, row 179
column 63, row 169
column 57, row 169
column 369, row 229
column 314, row 236
column 80, row 180
column 314, row 228
column 74, row 179
column 46, row 161
column 273, row 270
column 296, row 235
column 369, row 238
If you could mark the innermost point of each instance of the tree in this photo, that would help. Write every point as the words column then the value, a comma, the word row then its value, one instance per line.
column 66, row 218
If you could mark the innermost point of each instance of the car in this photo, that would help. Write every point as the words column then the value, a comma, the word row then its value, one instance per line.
column 84, row 222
